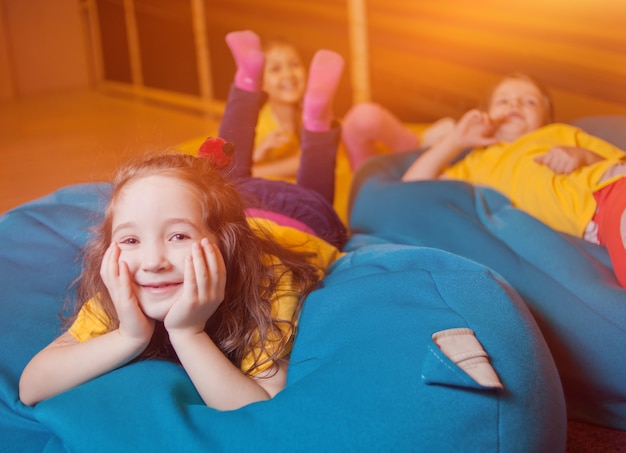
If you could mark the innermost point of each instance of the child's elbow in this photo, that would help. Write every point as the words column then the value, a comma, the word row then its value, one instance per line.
column 28, row 390
column 27, row 397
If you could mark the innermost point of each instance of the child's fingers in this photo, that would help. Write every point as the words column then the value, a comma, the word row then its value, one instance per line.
column 106, row 261
column 200, row 271
column 216, row 268
column 109, row 268
column 205, row 273
column 221, row 265
column 209, row 272
column 133, row 321
column 190, row 286
column 125, row 283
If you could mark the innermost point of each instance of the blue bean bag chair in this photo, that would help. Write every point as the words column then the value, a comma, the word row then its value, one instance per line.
column 365, row 373
column 567, row 283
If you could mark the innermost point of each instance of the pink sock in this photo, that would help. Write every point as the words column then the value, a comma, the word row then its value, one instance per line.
column 324, row 75
column 246, row 49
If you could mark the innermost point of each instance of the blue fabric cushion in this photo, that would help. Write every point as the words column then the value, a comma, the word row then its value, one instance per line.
column 567, row 283
column 364, row 373
column 611, row 128
column 39, row 245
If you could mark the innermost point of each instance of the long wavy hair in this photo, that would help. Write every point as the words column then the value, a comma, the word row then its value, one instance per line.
column 254, row 265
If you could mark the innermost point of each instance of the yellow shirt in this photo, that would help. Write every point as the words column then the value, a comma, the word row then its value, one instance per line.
column 92, row 321
column 564, row 202
column 267, row 124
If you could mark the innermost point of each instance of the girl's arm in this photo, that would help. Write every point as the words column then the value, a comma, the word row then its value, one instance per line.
column 474, row 129
column 430, row 164
column 66, row 363
column 220, row 383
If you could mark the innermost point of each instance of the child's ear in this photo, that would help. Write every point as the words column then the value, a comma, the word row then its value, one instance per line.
column 218, row 151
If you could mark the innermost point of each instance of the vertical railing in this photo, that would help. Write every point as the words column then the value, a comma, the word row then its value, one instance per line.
column 7, row 64
column 93, row 43
column 359, row 50
column 203, row 60
column 356, row 11
column 134, row 50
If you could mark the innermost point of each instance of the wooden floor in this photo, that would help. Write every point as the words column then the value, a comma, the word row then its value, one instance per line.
column 53, row 141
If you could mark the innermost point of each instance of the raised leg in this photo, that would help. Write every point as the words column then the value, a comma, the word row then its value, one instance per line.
column 320, row 134
column 245, row 99
column 367, row 124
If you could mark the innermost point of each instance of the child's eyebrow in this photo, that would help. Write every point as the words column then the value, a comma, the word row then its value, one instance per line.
column 181, row 221
column 168, row 223
column 122, row 226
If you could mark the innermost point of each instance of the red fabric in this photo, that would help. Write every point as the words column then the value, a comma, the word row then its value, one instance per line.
column 611, row 204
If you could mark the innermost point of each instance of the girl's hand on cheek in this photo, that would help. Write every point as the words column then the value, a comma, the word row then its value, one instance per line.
column 116, row 276
column 203, row 289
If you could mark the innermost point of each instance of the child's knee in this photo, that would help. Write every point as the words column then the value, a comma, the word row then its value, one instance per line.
column 363, row 118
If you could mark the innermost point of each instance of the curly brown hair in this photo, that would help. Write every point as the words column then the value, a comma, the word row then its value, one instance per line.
column 243, row 322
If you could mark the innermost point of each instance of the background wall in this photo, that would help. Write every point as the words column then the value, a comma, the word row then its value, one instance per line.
column 43, row 47
column 310, row 25
column 422, row 59
column 431, row 59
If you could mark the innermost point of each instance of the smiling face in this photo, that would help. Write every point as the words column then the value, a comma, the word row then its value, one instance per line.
column 284, row 76
column 520, row 106
column 155, row 221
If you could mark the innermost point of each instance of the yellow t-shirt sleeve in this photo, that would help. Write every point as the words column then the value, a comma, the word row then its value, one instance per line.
column 91, row 322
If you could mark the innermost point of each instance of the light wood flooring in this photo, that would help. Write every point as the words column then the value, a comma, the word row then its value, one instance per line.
column 52, row 141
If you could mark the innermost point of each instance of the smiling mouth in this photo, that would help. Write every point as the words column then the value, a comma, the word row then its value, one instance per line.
column 160, row 288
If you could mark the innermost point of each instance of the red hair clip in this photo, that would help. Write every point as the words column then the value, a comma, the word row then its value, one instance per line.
column 218, row 151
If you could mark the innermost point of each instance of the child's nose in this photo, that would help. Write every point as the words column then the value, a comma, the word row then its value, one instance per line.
column 154, row 259
column 288, row 71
